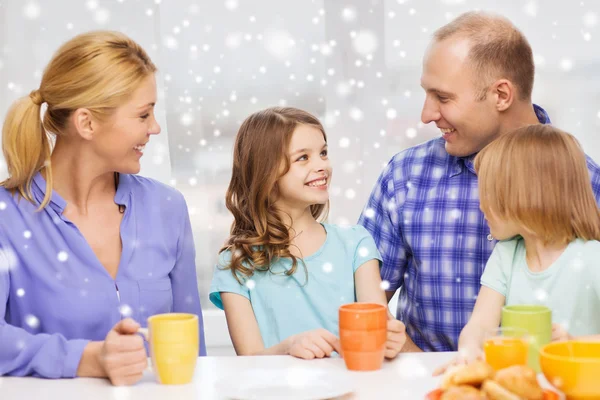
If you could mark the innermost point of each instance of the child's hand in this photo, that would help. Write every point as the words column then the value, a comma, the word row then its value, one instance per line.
column 465, row 356
column 559, row 333
column 317, row 343
column 396, row 337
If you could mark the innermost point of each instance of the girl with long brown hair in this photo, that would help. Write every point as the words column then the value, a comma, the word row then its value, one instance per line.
column 536, row 195
column 283, row 273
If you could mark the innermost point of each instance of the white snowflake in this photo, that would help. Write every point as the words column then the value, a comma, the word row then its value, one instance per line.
column 102, row 16
column 369, row 213
column 411, row 133
column 365, row 42
column 62, row 256
column 590, row 19
column 541, row 295
column 20, row 292
column 32, row 10
column 344, row 142
column 233, row 40
column 385, row 285
column 186, row 119
column 577, row 264
column 343, row 222
column 170, row 42
column 8, row 259
column 327, row 267
column 279, row 43
column 363, row 251
column 530, row 8
column 391, row 113
column 350, row 194
column 27, row 234
column 231, row 5
column 32, row 321
column 349, row 14
column 125, row 310
column 250, row 284
column 566, row 64
column 3, row 204
column 343, row 89
column 356, row 114
column 558, row 382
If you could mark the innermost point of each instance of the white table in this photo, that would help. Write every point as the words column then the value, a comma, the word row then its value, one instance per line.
column 406, row 377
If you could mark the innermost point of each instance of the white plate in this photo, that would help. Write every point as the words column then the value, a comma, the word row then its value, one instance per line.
column 288, row 383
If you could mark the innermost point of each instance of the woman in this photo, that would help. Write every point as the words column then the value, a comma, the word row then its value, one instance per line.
column 85, row 242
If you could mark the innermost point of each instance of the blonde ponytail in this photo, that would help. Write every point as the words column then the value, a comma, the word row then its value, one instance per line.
column 26, row 147
column 95, row 70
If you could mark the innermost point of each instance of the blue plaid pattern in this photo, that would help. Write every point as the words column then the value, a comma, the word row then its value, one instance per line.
column 424, row 216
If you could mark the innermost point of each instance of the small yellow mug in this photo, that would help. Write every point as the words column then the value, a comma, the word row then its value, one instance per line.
column 174, row 343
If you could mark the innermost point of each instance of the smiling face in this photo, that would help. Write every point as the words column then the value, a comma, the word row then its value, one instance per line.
column 452, row 101
column 120, row 140
column 307, row 181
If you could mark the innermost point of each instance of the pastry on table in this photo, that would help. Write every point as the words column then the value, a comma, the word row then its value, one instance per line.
column 494, row 391
column 463, row 392
column 520, row 380
column 472, row 374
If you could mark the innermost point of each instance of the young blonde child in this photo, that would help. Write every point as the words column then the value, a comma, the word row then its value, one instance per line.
column 536, row 195
column 282, row 274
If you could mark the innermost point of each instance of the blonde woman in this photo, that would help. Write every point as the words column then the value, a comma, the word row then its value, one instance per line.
column 84, row 242
column 536, row 195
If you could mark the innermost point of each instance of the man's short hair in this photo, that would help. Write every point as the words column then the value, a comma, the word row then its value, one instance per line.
column 498, row 50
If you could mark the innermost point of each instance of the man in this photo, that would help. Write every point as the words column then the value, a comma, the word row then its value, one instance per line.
column 424, row 210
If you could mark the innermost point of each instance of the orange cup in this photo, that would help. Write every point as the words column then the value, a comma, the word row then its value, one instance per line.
column 504, row 347
column 363, row 333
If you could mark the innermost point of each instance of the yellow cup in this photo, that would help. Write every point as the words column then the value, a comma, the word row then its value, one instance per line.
column 174, row 343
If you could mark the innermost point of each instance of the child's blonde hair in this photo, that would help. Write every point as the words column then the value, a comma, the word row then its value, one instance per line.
column 537, row 177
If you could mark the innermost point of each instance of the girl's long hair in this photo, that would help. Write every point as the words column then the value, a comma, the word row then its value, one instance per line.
column 258, row 234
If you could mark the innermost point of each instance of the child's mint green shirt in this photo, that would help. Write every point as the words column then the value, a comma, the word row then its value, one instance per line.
column 286, row 305
column 570, row 287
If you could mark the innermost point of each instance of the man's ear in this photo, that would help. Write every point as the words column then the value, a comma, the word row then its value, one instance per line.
column 504, row 92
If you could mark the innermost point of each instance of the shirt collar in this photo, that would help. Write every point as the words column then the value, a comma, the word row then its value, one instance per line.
column 58, row 204
column 38, row 189
column 458, row 164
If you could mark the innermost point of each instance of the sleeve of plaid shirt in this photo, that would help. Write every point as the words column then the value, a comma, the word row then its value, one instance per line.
column 594, row 178
column 381, row 217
